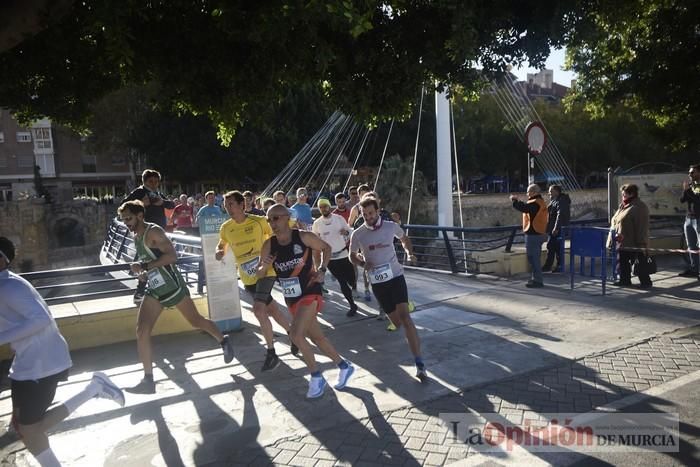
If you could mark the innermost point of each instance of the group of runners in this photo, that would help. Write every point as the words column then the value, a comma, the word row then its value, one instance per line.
column 272, row 249
column 268, row 249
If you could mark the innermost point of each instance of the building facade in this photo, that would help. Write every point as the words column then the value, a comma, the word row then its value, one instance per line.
column 67, row 169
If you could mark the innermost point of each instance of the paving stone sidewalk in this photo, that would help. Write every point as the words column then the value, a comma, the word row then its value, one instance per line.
column 415, row 435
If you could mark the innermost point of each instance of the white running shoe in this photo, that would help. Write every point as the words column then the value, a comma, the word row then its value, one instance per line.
column 106, row 389
column 344, row 375
column 317, row 385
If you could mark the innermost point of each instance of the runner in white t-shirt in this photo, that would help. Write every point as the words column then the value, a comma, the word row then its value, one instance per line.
column 376, row 240
column 333, row 230
column 41, row 361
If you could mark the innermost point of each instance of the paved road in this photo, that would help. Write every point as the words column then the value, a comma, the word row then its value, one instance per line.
column 491, row 345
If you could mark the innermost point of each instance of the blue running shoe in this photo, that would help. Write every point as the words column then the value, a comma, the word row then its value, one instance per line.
column 344, row 375
column 317, row 385
column 106, row 389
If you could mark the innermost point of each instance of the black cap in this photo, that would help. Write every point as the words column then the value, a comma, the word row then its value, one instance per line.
column 7, row 248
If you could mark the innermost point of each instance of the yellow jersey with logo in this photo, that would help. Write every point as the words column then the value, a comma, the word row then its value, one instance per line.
column 246, row 240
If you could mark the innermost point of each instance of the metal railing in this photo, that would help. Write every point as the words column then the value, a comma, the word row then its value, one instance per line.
column 113, row 277
column 448, row 249
column 452, row 249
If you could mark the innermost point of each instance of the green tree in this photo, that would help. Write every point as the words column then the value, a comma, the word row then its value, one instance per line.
column 231, row 59
column 185, row 147
column 644, row 54
column 117, row 123
column 394, row 188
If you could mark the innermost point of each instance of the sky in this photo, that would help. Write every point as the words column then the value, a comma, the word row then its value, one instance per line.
column 554, row 62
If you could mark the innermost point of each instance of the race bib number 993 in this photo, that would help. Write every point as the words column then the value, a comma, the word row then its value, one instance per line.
column 381, row 273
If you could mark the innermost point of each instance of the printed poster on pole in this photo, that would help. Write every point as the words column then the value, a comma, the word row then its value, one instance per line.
column 222, row 278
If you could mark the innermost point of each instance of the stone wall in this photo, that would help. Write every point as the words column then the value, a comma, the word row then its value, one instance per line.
column 495, row 210
column 58, row 235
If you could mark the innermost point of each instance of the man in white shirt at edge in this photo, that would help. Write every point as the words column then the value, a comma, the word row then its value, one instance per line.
column 41, row 361
column 376, row 240
column 333, row 230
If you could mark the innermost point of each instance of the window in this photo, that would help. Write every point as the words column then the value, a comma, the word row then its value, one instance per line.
column 25, row 161
column 24, row 137
column 89, row 164
column 42, row 138
column 118, row 160
column 2, row 137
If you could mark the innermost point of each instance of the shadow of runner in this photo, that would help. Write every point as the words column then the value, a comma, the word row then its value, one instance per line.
column 334, row 433
column 218, row 430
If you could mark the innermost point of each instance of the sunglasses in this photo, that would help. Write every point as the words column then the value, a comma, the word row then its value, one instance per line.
column 276, row 218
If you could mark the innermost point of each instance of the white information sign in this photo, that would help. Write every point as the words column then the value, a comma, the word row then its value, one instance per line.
column 222, row 280
column 660, row 192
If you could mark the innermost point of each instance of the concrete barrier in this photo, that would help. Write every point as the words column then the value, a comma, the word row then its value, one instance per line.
column 93, row 323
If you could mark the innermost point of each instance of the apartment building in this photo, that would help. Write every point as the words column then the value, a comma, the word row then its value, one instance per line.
column 67, row 169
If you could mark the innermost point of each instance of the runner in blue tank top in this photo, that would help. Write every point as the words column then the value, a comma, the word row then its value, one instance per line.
column 292, row 254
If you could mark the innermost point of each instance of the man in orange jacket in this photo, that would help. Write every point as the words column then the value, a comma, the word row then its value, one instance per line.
column 534, row 227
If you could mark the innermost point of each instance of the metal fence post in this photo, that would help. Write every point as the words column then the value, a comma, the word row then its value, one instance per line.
column 450, row 254
column 511, row 239
column 201, row 277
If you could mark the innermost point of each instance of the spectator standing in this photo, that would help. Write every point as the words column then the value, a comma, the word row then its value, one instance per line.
column 353, row 198
column 268, row 203
column 341, row 206
column 356, row 210
column 691, row 195
column 155, row 202
column 250, row 204
column 534, row 227
column 302, row 210
column 210, row 209
column 183, row 216
column 631, row 226
column 559, row 212
column 280, row 198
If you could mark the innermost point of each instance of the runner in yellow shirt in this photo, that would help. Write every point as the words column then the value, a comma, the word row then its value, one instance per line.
column 245, row 235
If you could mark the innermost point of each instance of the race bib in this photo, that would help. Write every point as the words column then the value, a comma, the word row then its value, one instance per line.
column 381, row 273
column 155, row 279
column 291, row 288
column 250, row 267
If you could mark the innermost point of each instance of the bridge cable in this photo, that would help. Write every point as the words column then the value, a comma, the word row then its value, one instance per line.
column 415, row 156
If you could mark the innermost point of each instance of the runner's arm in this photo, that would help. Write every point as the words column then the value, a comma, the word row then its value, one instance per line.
column 317, row 245
column 356, row 257
column 354, row 214
column 321, row 254
column 408, row 247
column 265, row 260
column 406, row 243
column 220, row 249
column 23, row 302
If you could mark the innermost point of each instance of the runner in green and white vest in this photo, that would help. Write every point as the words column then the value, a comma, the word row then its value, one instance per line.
column 156, row 259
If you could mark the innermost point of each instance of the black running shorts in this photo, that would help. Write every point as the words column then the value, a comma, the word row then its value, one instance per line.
column 31, row 398
column 261, row 290
column 391, row 293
